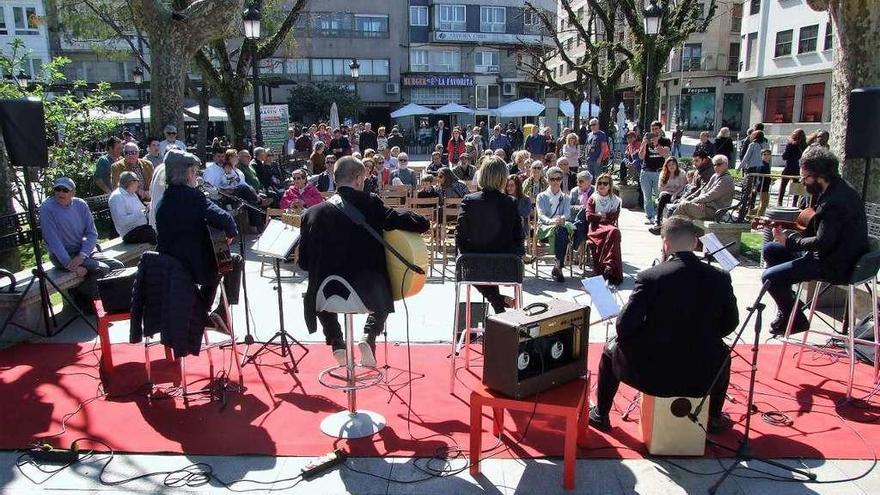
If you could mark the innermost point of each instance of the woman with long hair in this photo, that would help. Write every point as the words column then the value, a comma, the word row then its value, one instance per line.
column 450, row 186
column 455, row 147
column 520, row 162
column 752, row 159
column 514, row 189
column 672, row 183
column 797, row 143
column 571, row 150
column 317, row 158
column 488, row 223
column 603, row 209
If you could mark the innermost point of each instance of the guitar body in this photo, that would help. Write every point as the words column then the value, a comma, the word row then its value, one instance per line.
column 800, row 223
column 404, row 282
column 222, row 253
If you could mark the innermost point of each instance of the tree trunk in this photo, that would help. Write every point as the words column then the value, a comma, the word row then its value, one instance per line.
column 9, row 258
column 856, row 65
column 577, row 113
column 202, row 135
column 169, row 61
column 606, row 107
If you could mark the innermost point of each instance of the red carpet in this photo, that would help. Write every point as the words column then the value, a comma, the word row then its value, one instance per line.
column 280, row 413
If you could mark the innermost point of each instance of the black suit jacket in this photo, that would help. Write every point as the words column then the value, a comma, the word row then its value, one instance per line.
column 323, row 182
column 397, row 140
column 838, row 232
column 489, row 223
column 331, row 244
column 181, row 221
column 669, row 334
column 368, row 140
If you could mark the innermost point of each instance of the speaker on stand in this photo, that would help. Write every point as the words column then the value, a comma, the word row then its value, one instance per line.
column 863, row 128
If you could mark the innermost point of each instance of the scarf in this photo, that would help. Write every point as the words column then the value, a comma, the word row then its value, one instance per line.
column 605, row 204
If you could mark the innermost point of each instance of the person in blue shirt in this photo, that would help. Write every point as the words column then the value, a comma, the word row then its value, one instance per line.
column 500, row 141
column 69, row 231
column 536, row 144
column 594, row 143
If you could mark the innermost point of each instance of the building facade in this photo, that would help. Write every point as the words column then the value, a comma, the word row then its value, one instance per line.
column 24, row 20
column 786, row 52
column 468, row 52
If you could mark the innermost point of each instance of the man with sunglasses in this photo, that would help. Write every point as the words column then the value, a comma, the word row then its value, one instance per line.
column 69, row 231
column 170, row 138
column 132, row 162
column 325, row 181
column 835, row 238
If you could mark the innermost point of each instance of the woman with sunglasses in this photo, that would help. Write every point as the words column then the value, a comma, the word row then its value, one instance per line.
column 300, row 194
column 554, row 228
column 603, row 209
column 536, row 183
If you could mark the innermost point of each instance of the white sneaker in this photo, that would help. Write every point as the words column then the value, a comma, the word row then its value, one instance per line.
column 367, row 357
column 339, row 356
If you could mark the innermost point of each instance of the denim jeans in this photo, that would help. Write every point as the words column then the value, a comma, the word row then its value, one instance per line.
column 785, row 268
column 595, row 168
column 650, row 182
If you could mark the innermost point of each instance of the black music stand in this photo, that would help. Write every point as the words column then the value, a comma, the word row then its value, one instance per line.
column 276, row 242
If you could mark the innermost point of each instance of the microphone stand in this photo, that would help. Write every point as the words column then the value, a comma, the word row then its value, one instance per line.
column 744, row 451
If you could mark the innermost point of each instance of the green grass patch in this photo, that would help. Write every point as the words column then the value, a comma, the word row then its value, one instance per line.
column 751, row 244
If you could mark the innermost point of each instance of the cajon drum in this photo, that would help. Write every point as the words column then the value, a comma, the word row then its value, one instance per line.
column 666, row 429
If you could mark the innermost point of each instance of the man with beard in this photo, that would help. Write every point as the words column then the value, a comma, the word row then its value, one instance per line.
column 835, row 239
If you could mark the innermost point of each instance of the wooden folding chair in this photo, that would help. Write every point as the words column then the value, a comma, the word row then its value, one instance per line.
column 448, row 221
column 428, row 208
column 539, row 251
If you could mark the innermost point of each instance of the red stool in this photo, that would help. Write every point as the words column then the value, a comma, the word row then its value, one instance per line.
column 104, row 320
column 569, row 401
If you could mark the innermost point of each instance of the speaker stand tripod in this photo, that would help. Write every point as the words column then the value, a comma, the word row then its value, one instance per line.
column 390, row 374
column 744, row 450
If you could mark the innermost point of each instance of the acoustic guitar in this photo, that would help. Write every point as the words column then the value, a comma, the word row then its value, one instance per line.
column 405, row 282
column 800, row 223
column 222, row 253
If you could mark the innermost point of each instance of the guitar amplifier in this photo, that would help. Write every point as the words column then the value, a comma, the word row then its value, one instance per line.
column 114, row 290
column 535, row 348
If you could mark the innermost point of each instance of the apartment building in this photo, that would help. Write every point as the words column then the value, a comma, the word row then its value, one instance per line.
column 23, row 19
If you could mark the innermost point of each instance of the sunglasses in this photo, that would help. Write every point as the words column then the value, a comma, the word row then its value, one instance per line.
column 555, row 179
column 402, row 160
column 131, row 152
column 62, row 189
column 171, row 133
column 603, row 183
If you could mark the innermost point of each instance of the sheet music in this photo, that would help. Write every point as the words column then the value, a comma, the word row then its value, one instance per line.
column 712, row 244
column 601, row 298
column 277, row 240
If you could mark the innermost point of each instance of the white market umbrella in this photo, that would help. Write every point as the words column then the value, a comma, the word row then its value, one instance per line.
column 214, row 114
column 453, row 108
column 334, row 116
column 134, row 116
column 567, row 109
column 525, row 107
column 411, row 110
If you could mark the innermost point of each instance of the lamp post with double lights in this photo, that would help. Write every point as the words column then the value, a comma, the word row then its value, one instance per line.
column 138, row 76
column 651, row 18
column 252, row 18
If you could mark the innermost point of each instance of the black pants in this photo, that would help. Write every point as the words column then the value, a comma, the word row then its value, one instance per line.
column 140, row 234
column 333, row 331
column 662, row 200
column 231, row 282
column 246, row 193
column 609, row 382
column 492, row 293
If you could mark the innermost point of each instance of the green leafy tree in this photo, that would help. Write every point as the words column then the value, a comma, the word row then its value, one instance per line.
column 311, row 102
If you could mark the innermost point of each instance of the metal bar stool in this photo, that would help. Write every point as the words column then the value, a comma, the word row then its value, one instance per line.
column 336, row 295
column 502, row 270
column 865, row 272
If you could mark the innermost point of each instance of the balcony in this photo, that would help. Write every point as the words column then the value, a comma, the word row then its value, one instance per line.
column 708, row 63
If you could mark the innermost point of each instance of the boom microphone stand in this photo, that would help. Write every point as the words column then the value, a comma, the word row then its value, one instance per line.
column 744, row 451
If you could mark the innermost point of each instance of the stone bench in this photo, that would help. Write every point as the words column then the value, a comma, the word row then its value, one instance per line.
column 29, row 315
column 726, row 232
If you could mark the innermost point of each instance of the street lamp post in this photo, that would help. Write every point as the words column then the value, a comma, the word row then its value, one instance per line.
column 21, row 80
column 355, row 69
column 138, row 76
column 651, row 18
column 252, row 17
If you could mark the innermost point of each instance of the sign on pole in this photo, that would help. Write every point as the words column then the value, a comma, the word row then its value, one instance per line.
column 274, row 120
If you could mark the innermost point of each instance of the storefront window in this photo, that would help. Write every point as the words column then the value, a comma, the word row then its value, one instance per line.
column 779, row 105
column 731, row 113
column 698, row 109
column 813, row 102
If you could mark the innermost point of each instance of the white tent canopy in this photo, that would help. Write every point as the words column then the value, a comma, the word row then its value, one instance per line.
column 453, row 108
column 411, row 110
column 214, row 114
column 135, row 116
column 567, row 109
column 525, row 107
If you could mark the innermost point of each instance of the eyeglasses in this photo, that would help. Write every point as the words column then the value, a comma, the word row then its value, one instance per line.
column 299, row 178
column 62, row 189
column 600, row 183
column 555, row 179
column 131, row 152
column 171, row 133
column 403, row 160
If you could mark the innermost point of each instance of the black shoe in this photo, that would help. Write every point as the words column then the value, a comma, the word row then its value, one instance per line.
column 655, row 230
column 599, row 422
column 801, row 324
column 557, row 274
column 719, row 424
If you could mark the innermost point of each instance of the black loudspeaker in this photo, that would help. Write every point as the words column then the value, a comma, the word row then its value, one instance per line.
column 863, row 124
column 24, row 131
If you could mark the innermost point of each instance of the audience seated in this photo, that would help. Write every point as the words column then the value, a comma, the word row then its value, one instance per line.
column 129, row 213
column 404, row 173
column 603, row 209
column 553, row 225
column 426, row 188
column 672, row 185
column 578, row 198
column 715, row 195
column 464, row 170
column 300, row 194
column 450, row 186
column 325, row 181
column 535, row 183
column 523, row 203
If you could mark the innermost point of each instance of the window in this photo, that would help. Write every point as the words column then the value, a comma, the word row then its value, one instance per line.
column 779, row 105
column 444, row 61
column 371, row 26
column 373, row 68
column 451, row 18
column 813, row 102
column 3, row 29
column 418, row 60
column 487, row 96
column 530, row 18
column 733, row 58
column 492, row 19
column 25, row 20
column 783, row 43
column 435, row 95
column 691, row 56
column 754, row 7
column 330, row 23
column 736, row 18
column 418, row 15
column 486, row 61
column 829, row 37
column 297, row 66
column 334, row 69
column 751, row 39
column 701, row 10
column 807, row 38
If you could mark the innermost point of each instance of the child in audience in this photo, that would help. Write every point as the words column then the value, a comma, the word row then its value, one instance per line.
column 426, row 188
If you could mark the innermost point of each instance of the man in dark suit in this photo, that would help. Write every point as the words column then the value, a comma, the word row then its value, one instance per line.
column 396, row 139
column 182, row 221
column 835, row 239
column 663, row 351
column 325, row 181
column 332, row 244
column 441, row 135
column 368, row 139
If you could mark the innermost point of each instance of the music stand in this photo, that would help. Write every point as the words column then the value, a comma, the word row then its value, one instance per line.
column 276, row 242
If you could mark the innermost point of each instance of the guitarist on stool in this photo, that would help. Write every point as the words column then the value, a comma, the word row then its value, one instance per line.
column 332, row 244
column 829, row 248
